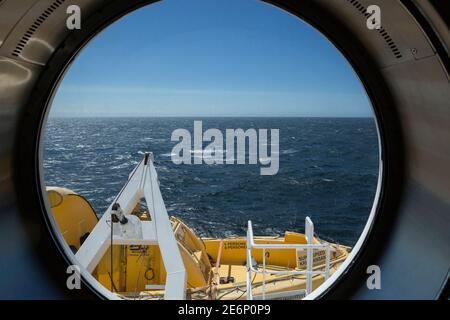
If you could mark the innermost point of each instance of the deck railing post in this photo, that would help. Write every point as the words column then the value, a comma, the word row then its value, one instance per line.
column 249, row 262
column 264, row 275
column 327, row 262
column 309, row 231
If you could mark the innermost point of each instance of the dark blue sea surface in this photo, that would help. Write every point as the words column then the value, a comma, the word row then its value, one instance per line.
column 328, row 171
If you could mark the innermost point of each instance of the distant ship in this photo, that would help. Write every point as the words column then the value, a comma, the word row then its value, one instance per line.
column 142, row 253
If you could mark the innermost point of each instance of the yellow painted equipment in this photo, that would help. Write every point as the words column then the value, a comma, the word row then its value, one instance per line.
column 215, row 268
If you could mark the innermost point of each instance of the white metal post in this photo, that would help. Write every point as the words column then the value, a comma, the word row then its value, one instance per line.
column 309, row 232
column 264, row 275
column 173, row 262
column 249, row 261
column 327, row 262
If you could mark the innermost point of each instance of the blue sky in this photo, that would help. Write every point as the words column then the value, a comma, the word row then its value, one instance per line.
column 210, row 58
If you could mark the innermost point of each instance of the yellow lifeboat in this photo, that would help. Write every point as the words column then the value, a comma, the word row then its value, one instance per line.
column 142, row 262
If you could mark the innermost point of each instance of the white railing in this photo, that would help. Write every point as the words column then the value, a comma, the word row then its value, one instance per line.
column 309, row 272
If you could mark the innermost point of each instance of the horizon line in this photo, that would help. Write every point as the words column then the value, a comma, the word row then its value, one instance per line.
column 199, row 116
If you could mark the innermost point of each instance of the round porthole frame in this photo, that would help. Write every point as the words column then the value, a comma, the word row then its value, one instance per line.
column 29, row 180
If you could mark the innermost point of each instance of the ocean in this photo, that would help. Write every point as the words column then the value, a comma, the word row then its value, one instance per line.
column 328, row 170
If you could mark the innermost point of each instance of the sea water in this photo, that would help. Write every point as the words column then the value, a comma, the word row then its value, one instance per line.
column 328, row 170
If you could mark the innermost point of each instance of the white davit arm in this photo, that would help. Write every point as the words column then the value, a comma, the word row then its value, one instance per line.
column 142, row 183
column 176, row 273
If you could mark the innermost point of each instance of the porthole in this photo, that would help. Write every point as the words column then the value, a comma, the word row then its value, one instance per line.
column 186, row 81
